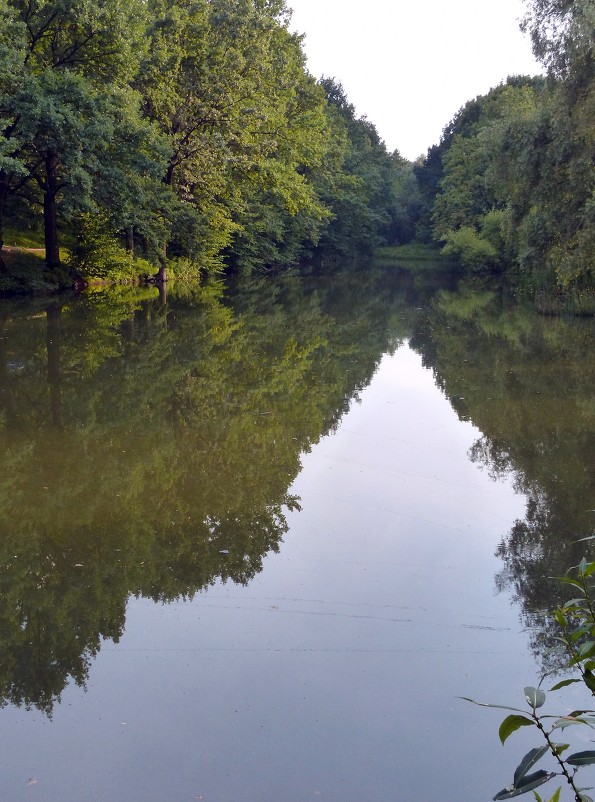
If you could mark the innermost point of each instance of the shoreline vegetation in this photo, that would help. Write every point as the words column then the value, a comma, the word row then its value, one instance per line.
column 163, row 141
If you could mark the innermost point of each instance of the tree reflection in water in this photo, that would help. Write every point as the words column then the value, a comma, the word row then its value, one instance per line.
column 526, row 381
column 148, row 445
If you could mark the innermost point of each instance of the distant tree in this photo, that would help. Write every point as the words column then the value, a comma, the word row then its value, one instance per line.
column 360, row 188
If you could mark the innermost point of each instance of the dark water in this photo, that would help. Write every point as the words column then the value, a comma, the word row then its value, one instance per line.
column 256, row 541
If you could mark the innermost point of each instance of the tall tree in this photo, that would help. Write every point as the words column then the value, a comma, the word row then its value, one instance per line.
column 70, row 91
column 359, row 188
column 13, row 172
column 226, row 83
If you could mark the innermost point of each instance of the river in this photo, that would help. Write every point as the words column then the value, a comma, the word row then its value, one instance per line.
column 259, row 539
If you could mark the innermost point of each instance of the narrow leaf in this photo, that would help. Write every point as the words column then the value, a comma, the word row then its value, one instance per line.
column 512, row 724
column 564, row 683
column 530, row 782
column 566, row 721
column 485, row 704
column 589, row 679
column 528, row 762
column 556, row 796
column 568, row 581
column 586, row 650
column 560, row 618
column 562, row 723
column 581, row 758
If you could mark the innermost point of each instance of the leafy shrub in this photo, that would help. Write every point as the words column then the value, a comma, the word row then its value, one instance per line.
column 576, row 622
column 470, row 249
column 96, row 252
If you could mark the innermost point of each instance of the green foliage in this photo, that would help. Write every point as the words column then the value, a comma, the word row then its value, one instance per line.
column 360, row 184
column 524, row 151
column 96, row 253
column 576, row 621
column 471, row 249
column 22, row 272
column 194, row 128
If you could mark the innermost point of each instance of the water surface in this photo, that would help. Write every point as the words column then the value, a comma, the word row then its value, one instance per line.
column 257, row 541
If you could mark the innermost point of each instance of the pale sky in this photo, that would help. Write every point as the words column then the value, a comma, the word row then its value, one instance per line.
column 409, row 66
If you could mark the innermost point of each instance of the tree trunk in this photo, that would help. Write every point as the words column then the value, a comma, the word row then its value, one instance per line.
column 163, row 297
column 50, row 213
column 53, row 331
column 161, row 275
column 7, row 402
column 130, row 240
column 3, row 194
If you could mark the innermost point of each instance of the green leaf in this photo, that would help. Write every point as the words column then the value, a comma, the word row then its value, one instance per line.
column 560, row 618
column 556, row 796
column 562, row 723
column 564, row 683
column 485, row 704
column 530, row 782
column 573, row 604
column 586, row 650
column 512, row 724
column 581, row 758
column 528, row 762
column 579, row 632
column 573, row 718
column 568, row 581
column 559, row 748
column 582, row 566
column 589, row 680
column 589, row 569
column 534, row 697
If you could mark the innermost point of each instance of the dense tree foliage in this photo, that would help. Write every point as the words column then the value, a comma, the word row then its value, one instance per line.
column 511, row 183
column 185, row 129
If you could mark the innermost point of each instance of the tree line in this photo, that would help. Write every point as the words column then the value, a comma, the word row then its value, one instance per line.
column 191, row 135
column 178, row 129
column 510, row 187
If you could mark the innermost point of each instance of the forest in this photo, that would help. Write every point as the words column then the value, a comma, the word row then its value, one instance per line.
column 174, row 138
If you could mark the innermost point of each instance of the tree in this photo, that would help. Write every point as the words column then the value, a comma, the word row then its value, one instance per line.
column 68, row 97
column 13, row 172
column 359, row 187
column 226, row 84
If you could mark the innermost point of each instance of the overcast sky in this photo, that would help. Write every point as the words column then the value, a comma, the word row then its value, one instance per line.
column 409, row 66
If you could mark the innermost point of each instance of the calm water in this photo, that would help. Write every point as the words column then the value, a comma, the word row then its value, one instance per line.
column 256, row 541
